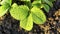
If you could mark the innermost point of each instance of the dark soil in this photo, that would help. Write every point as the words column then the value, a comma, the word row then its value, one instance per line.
column 9, row 25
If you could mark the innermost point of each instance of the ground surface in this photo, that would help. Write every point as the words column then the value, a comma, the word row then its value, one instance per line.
column 8, row 25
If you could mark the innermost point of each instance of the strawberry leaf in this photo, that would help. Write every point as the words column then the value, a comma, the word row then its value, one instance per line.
column 3, row 2
column 38, row 15
column 27, row 23
column 19, row 12
column 3, row 9
column 25, row 0
column 23, row 11
column 48, row 2
column 52, row 0
column 15, row 11
column 46, row 8
column 37, row 4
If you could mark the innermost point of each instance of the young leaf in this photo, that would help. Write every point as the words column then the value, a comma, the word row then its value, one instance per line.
column 38, row 15
column 3, row 9
column 29, row 4
column 46, row 7
column 3, row 2
column 0, row 0
column 15, row 11
column 23, row 11
column 19, row 12
column 48, row 2
column 27, row 23
column 52, row 0
column 37, row 0
column 25, row 0
column 37, row 4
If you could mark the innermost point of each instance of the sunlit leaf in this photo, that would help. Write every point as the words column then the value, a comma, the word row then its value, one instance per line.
column 24, row 10
column 3, row 2
column 37, row 4
column 3, row 9
column 19, row 12
column 38, row 15
column 15, row 11
column 25, row 0
column 27, row 23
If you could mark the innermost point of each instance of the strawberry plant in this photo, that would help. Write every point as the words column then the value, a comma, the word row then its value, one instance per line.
column 28, row 13
column 46, row 4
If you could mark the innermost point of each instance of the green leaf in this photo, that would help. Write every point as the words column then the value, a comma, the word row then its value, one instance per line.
column 15, row 11
column 3, row 9
column 3, row 2
column 19, row 12
column 48, row 2
column 27, row 23
column 52, row 0
column 0, row 0
column 38, row 15
column 23, row 11
column 37, row 0
column 25, row 0
column 37, row 4
column 28, row 4
column 46, row 8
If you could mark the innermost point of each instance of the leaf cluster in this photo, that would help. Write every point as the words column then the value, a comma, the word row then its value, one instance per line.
column 28, row 13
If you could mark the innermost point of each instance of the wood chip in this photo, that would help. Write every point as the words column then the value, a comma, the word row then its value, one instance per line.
column 57, row 13
column 56, row 18
column 50, row 19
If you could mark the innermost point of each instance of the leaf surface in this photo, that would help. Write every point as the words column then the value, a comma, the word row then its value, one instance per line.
column 27, row 23
column 46, row 8
column 48, row 2
column 3, row 2
column 3, row 9
column 37, row 4
column 25, row 0
column 38, row 15
column 19, row 12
